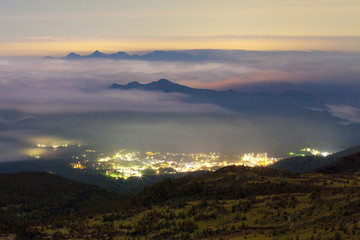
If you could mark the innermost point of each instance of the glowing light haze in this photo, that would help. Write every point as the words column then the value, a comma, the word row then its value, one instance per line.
column 42, row 27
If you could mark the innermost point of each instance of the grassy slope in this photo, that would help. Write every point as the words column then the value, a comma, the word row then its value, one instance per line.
column 233, row 203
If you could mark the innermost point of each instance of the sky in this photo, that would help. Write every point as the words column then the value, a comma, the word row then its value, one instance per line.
column 43, row 27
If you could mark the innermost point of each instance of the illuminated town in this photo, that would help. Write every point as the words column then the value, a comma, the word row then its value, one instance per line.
column 124, row 164
column 135, row 164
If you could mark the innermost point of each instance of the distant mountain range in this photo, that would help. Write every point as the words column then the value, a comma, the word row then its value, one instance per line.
column 288, row 103
column 346, row 93
column 152, row 56
column 191, row 55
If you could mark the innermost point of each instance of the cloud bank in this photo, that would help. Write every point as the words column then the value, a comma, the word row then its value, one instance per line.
column 70, row 101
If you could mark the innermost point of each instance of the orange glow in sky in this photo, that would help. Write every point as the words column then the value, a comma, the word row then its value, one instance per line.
column 42, row 27
column 61, row 48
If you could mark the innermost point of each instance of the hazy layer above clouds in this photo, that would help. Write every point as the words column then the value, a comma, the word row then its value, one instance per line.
column 69, row 101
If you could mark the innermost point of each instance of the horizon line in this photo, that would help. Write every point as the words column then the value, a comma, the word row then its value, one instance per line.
column 144, row 52
column 57, row 46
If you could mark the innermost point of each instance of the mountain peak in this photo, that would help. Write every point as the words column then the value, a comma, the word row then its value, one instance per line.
column 164, row 81
column 162, row 85
column 97, row 53
column 133, row 84
column 73, row 55
column 121, row 53
column 130, row 85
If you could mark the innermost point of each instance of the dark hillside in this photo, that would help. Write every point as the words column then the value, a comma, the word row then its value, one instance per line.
column 62, row 167
column 234, row 182
column 311, row 163
column 234, row 202
column 39, row 196
column 349, row 164
column 301, row 164
column 344, row 152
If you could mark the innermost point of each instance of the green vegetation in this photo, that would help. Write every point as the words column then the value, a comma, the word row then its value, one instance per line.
column 231, row 203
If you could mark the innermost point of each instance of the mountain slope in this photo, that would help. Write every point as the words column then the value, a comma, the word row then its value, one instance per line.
column 38, row 190
column 247, row 203
column 231, row 182
column 291, row 103
column 162, row 85
column 301, row 164
column 344, row 153
column 30, row 197
column 311, row 163
column 232, row 203
column 62, row 167
column 349, row 164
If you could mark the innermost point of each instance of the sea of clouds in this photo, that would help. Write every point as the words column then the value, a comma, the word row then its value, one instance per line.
column 69, row 101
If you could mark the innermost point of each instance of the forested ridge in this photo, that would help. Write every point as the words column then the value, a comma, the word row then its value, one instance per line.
column 234, row 202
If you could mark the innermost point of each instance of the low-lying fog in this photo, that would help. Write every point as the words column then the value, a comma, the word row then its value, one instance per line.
column 69, row 101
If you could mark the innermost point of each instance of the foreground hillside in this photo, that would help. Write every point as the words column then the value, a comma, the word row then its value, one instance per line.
column 231, row 203
column 249, row 203
column 30, row 199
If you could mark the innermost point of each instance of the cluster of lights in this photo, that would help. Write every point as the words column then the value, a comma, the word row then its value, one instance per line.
column 133, row 164
column 260, row 159
column 77, row 165
column 310, row 151
column 315, row 152
column 105, row 159
column 52, row 146
column 121, row 156
column 125, row 172
column 125, row 164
